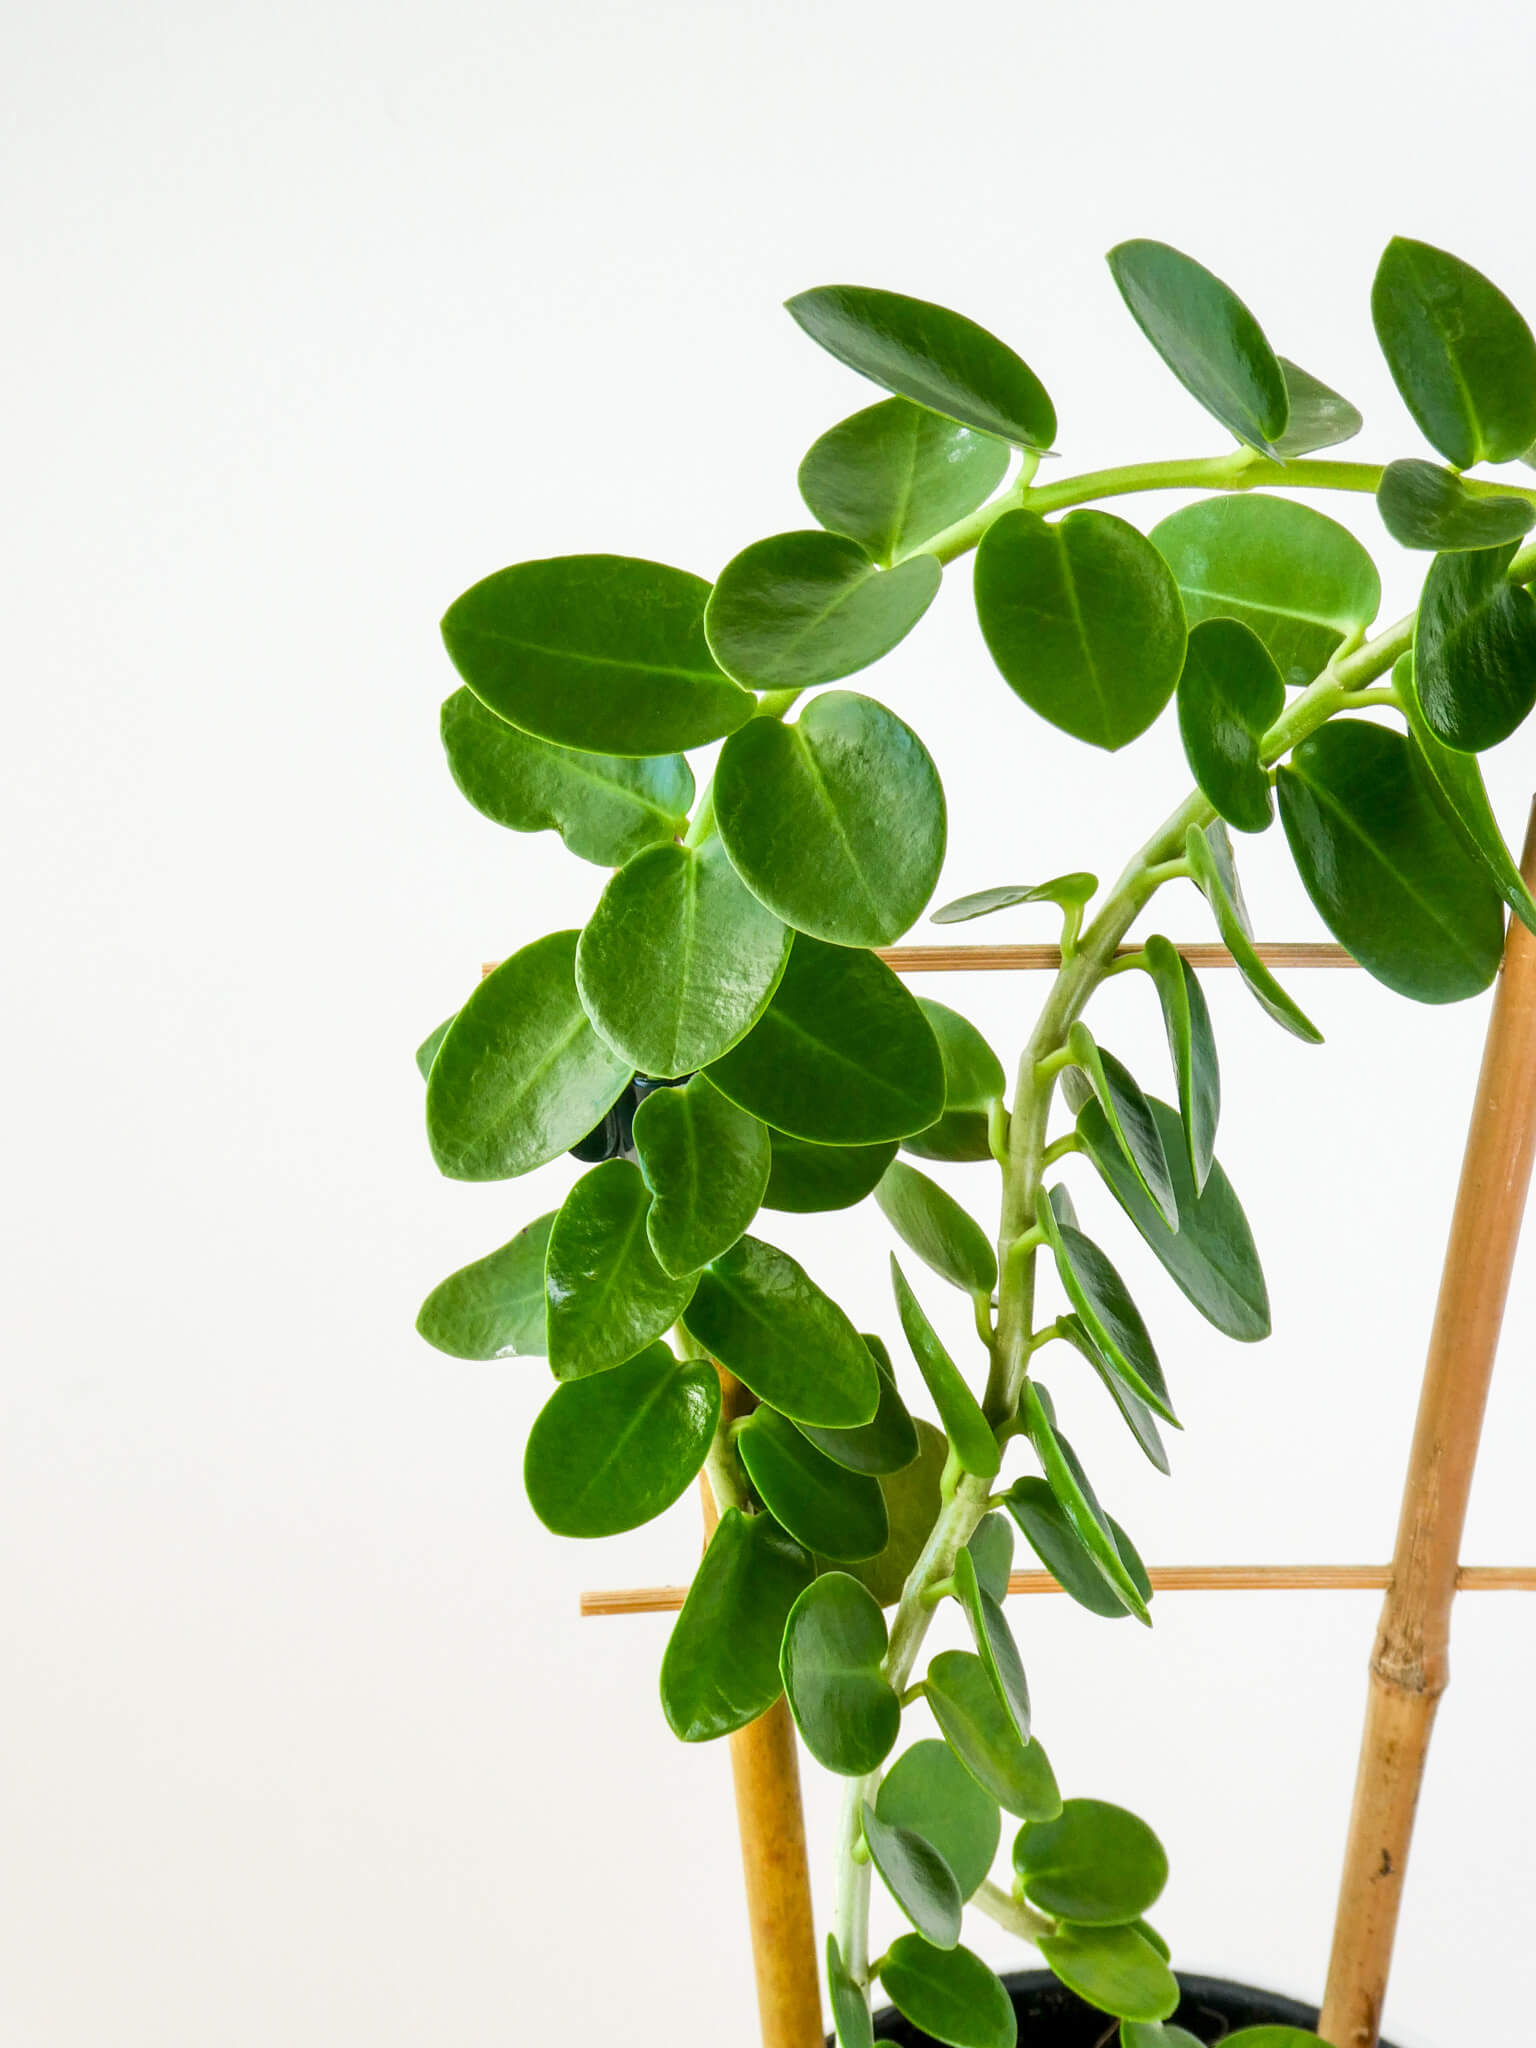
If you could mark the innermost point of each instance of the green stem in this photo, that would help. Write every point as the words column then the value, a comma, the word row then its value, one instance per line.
column 1010, row 1912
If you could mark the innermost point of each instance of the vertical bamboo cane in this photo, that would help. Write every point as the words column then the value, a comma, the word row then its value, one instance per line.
column 1410, row 1664
column 766, row 1769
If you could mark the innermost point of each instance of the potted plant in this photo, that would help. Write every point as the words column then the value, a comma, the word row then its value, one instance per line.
column 722, row 1040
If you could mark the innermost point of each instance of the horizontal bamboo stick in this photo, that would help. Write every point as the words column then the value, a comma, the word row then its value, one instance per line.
column 1013, row 959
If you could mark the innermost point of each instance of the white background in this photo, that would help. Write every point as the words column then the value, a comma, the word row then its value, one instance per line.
column 318, row 313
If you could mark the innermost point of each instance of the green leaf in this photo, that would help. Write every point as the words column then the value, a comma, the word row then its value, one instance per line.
column 1079, row 1504
column 706, row 1163
column 1302, row 582
column 1083, row 620
column 959, row 1410
column 679, row 959
column 1211, row 1257
column 1390, row 876
column 1460, row 355
column 950, row 1994
column 832, row 1511
column 1072, row 889
column 426, row 1052
column 1230, row 694
column 495, row 1307
column 768, row 1322
column 1465, row 797
column 1138, row 1416
column 994, row 1643
column 841, row 1056
column 1153, row 2034
column 1095, row 1864
column 1114, row 1969
column 1210, row 858
column 1268, row 2037
column 912, row 1503
column 1129, row 1117
column 929, row 1220
column 1192, row 1047
column 835, row 821
column 598, row 652
column 1474, row 649
column 1062, row 1551
column 930, row 1791
column 896, row 474
column 608, row 1296
column 721, row 1667
column 1320, row 418
column 1154, row 1940
column 1424, row 506
column 845, row 1708
column 604, row 806
column 973, row 1081
column 804, row 608
column 1208, row 338
column 608, row 1453
column 888, row 1444
column 805, row 1178
column 521, row 1075
column 980, row 1731
column 991, row 1553
column 850, row 2008
column 1109, row 1315
column 936, row 358
column 917, row 1878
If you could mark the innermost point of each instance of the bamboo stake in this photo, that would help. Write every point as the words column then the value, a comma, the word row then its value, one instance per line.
column 1012, row 959
column 1410, row 1664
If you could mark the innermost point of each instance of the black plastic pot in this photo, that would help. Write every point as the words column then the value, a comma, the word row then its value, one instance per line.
column 1051, row 2017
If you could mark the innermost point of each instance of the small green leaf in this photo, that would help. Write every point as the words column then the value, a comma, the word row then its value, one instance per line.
column 1062, row 1551
column 950, row 1994
column 495, row 1307
column 1110, row 1316
column 768, row 1322
column 991, row 1554
column 1211, row 1256
column 1153, row 1939
column 1320, row 418
column 1129, row 1117
column 832, row 1511
column 959, row 1410
column 1302, row 582
column 426, row 1052
column 608, row 1296
column 841, row 1056
column 1230, row 694
column 973, row 1082
column 835, row 821
column 679, row 959
column 912, row 1503
column 1154, row 2034
column 1083, row 620
column 706, row 1163
column 1138, row 1416
column 1208, row 338
column 1095, row 1864
column 1075, row 889
column 1078, row 1502
column 721, row 1667
column 917, row 1878
column 930, row 1791
column 521, row 1075
column 844, row 1706
column 806, row 608
column 608, row 1453
column 1210, row 858
column 1460, row 355
column 936, row 358
column 932, row 1223
column 980, row 1731
column 1192, row 1046
column 1474, row 649
column 1114, row 1969
column 1269, row 2037
column 850, row 2007
column 805, row 1178
column 598, row 652
column 888, row 1444
column 1424, row 506
column 994, row 1643
column 896, row 474
column 1390, row 876
column 604, row 806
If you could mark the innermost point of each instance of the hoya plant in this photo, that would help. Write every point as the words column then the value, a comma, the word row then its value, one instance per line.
column 722, row 1043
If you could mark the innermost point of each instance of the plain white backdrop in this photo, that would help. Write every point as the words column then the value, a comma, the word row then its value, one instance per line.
column 317, row 313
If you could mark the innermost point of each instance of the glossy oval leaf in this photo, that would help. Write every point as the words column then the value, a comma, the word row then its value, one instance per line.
column 1210, row 859
column 1268, row 2037
column 835, row 821
column 851, row 2020
column 1208, row 338
column 679, row 959
column 721, row 1666
column 1075, row 889
column 936, row 358
column 1061, row 1550
column 912, row 1504
column 888, row 1444
column 604, row 806
column 1129, row 1118
column 1390, row 876
column 1139, row 1418
column 521, row 1075
column 1299, row 580
column 1095, row 1864
column 1230, row 694
column 980, row 1731
column 1115, row 1969
column 805, row 608
column 991, row 1553
column 896, row 474
column 806, row 1178
column 1192, row 1047
column 844, row 1706
column 917, row 1877
column 950, row 1994
column 1320, row 418
column 1155, row 2034
column 1474, row 649
column 1461, row 356
column 426, row 1052
column 832, row 1511
column 1425, row 506
column 706, row 1164
column 600, row 652
column 495, row 1307
column 959, row 1410
column 761, row 1315
column 607, row 1294
column 1079, row 1504
column 608, row 1453
column 929, row 1220
column 1083, row 619
column 930, row 1791
column 994, row 1642
column 973, row 1082
column 1103, row 1301
column 842, row 1055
